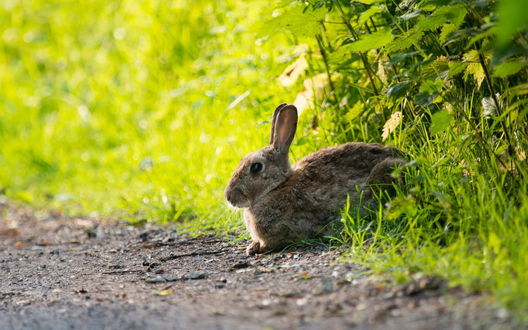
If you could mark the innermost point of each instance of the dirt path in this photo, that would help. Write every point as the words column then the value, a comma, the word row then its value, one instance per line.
column 61, row 273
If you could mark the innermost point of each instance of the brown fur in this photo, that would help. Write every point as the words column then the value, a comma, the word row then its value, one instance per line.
column 285, row 203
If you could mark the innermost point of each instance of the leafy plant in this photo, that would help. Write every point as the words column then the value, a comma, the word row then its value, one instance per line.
column 445, row 81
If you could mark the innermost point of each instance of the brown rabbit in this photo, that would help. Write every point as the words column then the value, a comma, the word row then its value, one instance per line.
column 284, row 203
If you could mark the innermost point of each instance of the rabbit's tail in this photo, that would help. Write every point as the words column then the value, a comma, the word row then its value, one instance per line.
column 381, row 178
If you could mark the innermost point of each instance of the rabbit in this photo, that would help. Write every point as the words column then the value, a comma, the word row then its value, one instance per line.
column 285, row 203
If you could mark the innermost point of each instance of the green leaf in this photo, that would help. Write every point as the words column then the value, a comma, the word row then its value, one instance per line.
column 521, row 89
column 474, row 67
column 372, row 41
column 456, row 68
column 488, row 33
column 299, row 22
column 342, row 56
column 410, row 15
column 436, row 2
column 398, row 89
column 368, row 2
column 368, row 14
column 454, row 14
column 401, row 205
column 424, row 99
column 512, row 18
column 405, row 41
column 402, row 57
column 446, row 30
column 508, row 68
column 430, row 86
column 440, row 121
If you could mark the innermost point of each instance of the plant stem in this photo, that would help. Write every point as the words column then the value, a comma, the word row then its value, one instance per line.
column 496, row 101
column 327, row 67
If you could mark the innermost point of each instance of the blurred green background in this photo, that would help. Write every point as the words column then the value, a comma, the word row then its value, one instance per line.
column 137, row 109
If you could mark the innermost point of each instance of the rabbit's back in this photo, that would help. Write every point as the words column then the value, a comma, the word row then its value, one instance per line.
column 356, row 157
column 338, row 171
column 320, row 185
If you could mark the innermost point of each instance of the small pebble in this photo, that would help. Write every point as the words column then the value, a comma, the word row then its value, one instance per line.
column 155, row 279
column 196, row 276
column 144, row 235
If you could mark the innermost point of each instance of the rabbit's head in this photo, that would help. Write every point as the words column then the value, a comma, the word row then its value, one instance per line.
column 262, row 171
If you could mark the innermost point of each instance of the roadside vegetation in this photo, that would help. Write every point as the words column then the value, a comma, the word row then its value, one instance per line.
column 141, row 110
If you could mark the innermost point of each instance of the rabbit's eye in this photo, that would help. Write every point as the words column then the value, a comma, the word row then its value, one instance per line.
column 256, row 167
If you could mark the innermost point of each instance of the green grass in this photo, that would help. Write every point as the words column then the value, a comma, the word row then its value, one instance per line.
column 466, row 224
column 142, row 109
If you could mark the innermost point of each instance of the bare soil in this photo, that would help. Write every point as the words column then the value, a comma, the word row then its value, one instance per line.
column 82, row 273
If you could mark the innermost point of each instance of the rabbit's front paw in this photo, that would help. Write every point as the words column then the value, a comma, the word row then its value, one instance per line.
column 253, row 248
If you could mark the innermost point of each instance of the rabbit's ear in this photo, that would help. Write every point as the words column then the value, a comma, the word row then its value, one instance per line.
column 285, row 126
column 273, row 120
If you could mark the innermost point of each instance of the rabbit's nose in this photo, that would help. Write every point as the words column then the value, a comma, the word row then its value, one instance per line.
column 236, row 197
column 230, row 195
